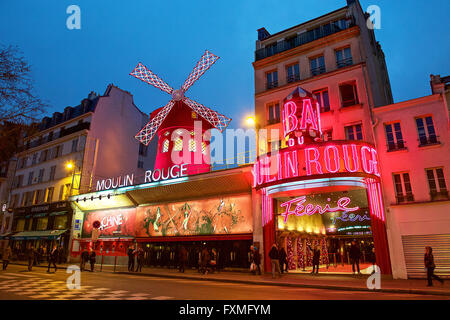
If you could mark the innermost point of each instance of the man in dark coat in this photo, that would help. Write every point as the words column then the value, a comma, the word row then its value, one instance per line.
column 274, row 258
column 182, row 259
column 92, row 259
column 283, row 260
column 316, row 259
column 130, row 253
column 84, row 259
column 205, row 258
column 355, row 254
column 257, row 259
column 140, row 259
column 430, row 266
column 52, row 258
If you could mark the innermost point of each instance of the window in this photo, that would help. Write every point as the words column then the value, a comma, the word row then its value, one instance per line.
column 34, row 159
column 165, row 147
column 42, row 223
column 403, row 191
column 57, row 151
column 349, row 94
column 317, row 65
column 52, row 173
column 49, row 194
column 327, row 135
column 272, row 80
column 41, row 175
column 38, row 196
column 323, row 99
column 74, row 145
column 354, row 132
column 344, row 57
column 19, row 181
column 273, row 113
column 293, row 73
column 43, row 156
column 60, row 222
column 140, row 164
column 425, row 128
column 30, row 178
column 394, row 136
column 436, row 182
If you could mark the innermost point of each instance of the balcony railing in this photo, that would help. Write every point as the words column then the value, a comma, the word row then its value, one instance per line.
column 402, row 198
column 271, row 85
column 293, row 78
column 430, row 140
column 303, row 38
column 439, row 195
column 396, row 146
column 317, row 71
column 344, row 62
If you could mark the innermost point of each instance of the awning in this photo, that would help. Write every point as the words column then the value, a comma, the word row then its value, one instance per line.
column 35, row 235
column 6, row 236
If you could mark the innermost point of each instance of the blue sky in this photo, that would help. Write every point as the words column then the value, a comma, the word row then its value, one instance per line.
column 170, row 36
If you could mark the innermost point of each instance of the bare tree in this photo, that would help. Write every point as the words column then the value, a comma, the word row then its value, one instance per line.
column 18, row 102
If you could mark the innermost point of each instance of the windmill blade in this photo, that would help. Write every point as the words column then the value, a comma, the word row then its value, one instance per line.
column 205, row 62
column 148, row 132
column 216, row 119
column 142, row 73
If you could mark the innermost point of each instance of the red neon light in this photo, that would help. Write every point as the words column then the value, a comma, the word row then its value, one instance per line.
column 290, row 111
column 310, row 209
column 308, row 116
column 315, row 160
column 354, row 157
column 366, row 164
column 290, row 164
column 337, row 166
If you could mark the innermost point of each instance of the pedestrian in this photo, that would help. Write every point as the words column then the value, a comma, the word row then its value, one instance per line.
column 130, row 254
column 92, row 259
column 316, row 259
column 5, row 256
column 283, row 259
column 430, row 266
column 60, row 254
column 140, row 259
column 31, row 253
column 183, row 256
column 205, row 258
column 52, row 258
column 373, row 259
column 84, row 258
column 213, row 260
column 274, row 257
column 257, row 259
column 355, row 255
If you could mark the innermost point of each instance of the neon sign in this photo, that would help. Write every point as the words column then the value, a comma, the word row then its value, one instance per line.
column 352, row 217
column 321, row 159
column 310, row 209
column 110, row 222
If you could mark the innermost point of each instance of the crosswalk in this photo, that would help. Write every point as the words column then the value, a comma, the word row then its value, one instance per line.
column 31, row 286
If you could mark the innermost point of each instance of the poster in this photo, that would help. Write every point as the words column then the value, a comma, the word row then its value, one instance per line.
column 115, row 222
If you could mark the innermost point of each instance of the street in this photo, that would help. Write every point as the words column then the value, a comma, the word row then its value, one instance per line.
column 17, row 283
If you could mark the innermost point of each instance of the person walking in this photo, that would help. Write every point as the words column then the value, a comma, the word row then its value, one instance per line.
column 52, row 258
column 316, row 259
column 430, row 266
column 257, row 259
column 5, row 256
column 130, row 254
column 274, row 258
column 140, row 259
column 31, row 253
column 205, row 258
column 355, row 254
column 283, row 260
column 213, row 260
column 373, row 259
column 84, row 259
column 92, row 256
column 183, row 256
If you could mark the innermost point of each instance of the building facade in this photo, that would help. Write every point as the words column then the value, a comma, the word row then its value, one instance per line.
column 412, row 138
column 69, row 154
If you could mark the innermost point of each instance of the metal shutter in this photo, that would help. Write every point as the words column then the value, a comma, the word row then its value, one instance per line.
column 414, row 250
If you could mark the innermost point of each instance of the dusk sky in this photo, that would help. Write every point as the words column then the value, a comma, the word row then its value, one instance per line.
column 170, row 36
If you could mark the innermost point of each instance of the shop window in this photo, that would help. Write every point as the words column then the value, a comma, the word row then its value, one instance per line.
column 349, row 94
column 403, row 190
column 354, row 132
column 273, row 113
column 426, row 131
column 394, row 136
column 437, row 184
column 20, row 225
column 323, row 99
column 60, row 222
column 42, row 223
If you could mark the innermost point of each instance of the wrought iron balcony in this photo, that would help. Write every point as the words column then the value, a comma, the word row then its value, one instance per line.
column 402, row 198
column 293, row 78
column 439, row 195
column 427, row 141
column 396, row 146
column 344, row 62
column 272, row 84
column 317, row 71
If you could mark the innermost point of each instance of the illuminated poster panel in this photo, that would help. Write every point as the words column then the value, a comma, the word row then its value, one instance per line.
column 115, row 222
column 227, row 215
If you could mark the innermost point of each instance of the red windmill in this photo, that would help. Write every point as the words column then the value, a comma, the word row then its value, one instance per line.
column 179, row 113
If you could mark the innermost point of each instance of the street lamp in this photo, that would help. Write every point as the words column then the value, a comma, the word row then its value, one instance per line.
column 70, row 166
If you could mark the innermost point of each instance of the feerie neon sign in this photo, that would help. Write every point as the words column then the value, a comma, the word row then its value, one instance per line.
column 330, row 158
column 310, row 209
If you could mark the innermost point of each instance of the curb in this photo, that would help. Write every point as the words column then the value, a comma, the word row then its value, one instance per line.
column 298, row 285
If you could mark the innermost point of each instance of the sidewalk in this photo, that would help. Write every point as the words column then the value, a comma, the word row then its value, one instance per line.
column 320, row 281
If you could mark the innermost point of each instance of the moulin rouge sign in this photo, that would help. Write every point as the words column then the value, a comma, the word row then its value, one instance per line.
column 307, row 155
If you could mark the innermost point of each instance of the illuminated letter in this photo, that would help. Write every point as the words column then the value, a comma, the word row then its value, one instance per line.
column 106, row 182
column 130, row 180
column 148, row 176
column 168, row 174
column 290, row 165
column 308, row 116
column 366, row 164
column 308, row 161
column 171, row 171
column 183, row 170
column 336, row 159
column 159, row 175
column 290, row 110
column 375, row 162
column 100, row 185
column 354, row 158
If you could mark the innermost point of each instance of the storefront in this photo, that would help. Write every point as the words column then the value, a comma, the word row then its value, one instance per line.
column 212, row 210
column 41, row 227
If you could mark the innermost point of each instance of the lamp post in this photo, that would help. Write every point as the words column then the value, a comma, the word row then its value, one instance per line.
column 71, row 166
